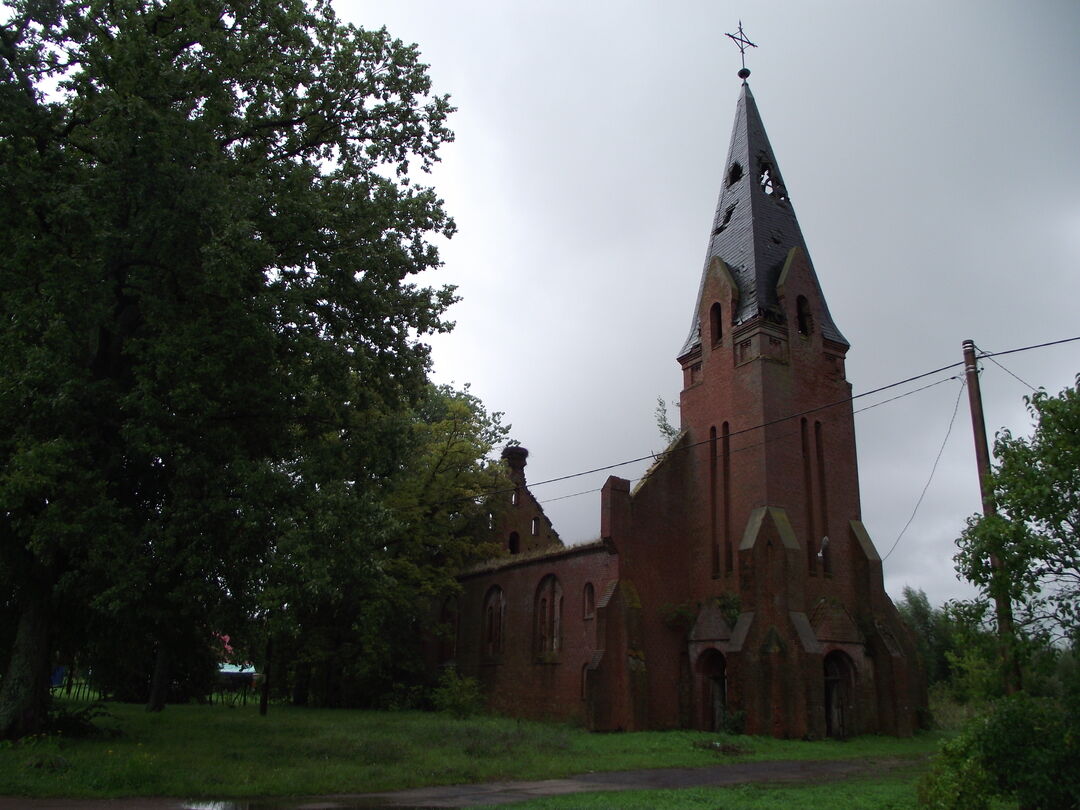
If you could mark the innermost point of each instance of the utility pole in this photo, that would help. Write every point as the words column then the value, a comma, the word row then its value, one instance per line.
column 1002, row 604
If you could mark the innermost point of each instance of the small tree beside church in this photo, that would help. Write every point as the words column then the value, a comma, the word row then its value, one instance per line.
column 1026, row 745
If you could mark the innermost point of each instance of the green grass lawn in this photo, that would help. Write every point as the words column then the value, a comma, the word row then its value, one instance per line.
column 223, row 752
column 897, row 792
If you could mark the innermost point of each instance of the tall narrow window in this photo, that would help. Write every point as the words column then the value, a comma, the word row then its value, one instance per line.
column 513, row 544
column 725, row 450
column 714, row 483
column 808, row 487
column 716, row 324
column 494, row 616
column 548, row 616
column 535, row 526
column 823, row 499
column 589, row 599
column 803, row 316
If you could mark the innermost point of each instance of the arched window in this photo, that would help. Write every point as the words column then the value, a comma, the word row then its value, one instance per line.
column 803, row 315
column 494, row 618
column 548, row 616
column 716, row 323
column 589, row 599
column 514, row 543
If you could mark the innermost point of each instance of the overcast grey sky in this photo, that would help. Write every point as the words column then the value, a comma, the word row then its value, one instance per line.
column 931, row 153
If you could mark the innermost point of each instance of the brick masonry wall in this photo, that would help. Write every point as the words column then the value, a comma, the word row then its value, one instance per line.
column 523, row 679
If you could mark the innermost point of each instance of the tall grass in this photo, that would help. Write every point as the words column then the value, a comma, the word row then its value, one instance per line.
column 221, row 751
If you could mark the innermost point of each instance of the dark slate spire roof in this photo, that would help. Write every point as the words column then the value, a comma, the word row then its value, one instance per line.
column 755, row 226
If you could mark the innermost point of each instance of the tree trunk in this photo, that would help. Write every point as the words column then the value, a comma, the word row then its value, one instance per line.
column 159, row 683
column 264, row 692
column 24, row 692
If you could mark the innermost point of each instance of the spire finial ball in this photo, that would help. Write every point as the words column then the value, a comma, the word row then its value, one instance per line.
column 744, row 74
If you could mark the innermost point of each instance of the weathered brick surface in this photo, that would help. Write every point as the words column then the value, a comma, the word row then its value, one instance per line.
column 520, row 676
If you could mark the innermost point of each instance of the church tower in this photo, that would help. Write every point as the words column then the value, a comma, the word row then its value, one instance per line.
column 761, row 593
column 816, row 647
column 763, row 347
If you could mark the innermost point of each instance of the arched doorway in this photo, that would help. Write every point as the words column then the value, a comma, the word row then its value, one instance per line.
column 839, row 694
column 712, row 668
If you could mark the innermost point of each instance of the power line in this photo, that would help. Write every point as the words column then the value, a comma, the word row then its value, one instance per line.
column 1029, row 348
column 990, row 357
column 748, row 446
column 806, row 412
column 817, row 409
column 923, row 375
column 933, row 469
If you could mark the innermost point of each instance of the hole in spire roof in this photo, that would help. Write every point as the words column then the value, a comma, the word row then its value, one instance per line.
column 726, row 220
column 765, row 178
column 769, row 183
column 734, row 173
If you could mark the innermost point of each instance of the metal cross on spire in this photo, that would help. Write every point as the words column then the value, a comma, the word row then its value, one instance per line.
column 743, row 44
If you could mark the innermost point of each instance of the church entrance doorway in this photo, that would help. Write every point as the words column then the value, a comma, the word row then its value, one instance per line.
column 712, row 668
column 839, row 691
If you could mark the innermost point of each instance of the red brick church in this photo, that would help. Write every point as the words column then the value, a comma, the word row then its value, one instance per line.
column 735, row 585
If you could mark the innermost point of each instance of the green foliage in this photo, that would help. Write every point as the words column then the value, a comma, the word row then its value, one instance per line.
column 957, row 780
column 1036, row 532
column 457, row 696
column 973, row 658
column 730, row 605
column 209, row 340
column 679, row 617
column 351, row 603
column 734, row 721
column 933, row 630
column 667, row 430
column 1025, row 748
column 73, row 720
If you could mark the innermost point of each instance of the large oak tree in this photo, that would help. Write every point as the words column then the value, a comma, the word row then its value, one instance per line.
column 208, row 227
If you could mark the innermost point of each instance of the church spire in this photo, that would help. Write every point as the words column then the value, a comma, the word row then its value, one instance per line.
column 754, row 228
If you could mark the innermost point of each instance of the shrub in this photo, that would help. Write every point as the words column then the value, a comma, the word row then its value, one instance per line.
column 956, row 779
column 1025, row 748
column 460, row 697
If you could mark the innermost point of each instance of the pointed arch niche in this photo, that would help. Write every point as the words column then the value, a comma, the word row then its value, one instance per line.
column 547, row 617
column 494, row 621
column 804, row 316
column 716, row 324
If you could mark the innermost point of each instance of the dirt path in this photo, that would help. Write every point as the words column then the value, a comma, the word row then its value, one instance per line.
column 506, row 792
